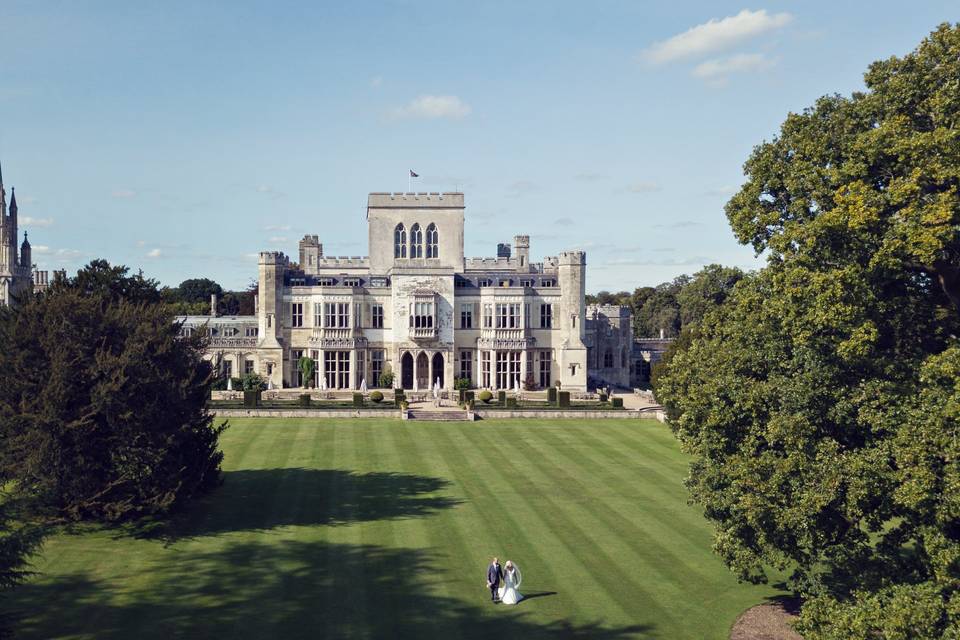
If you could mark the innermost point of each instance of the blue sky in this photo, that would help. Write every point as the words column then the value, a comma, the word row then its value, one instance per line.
column 182, row 138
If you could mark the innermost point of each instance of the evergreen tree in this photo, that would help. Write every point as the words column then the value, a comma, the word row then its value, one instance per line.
column 103, row 405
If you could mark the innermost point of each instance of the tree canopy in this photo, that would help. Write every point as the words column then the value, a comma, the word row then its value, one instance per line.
column 102, row 403
column 820, row 402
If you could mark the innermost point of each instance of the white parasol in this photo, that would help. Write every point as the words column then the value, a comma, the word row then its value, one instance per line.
column 229, row 384
column 363, row 386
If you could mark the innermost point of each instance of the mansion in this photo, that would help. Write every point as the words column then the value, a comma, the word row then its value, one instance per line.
column 421, row 310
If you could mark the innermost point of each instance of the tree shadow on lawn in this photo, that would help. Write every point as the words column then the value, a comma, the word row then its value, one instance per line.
column 286, row 589
column 263, row 499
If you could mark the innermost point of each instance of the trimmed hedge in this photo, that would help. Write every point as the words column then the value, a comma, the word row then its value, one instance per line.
column 304, row 400
column 502, row 397
column 468, row 396
column 251, row 398
column 617, row 403
column 511, row 403
column 358, row 399
column 552, row 395
column 603, row 397
column 563, row 399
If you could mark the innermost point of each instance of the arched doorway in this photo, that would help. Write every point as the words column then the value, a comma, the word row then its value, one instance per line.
column 423, row 371
column 406, row 371
column 438, row 369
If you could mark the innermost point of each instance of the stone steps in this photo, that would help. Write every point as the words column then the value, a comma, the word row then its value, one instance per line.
column 438, row 416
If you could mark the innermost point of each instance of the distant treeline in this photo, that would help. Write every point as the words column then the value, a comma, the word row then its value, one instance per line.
column 671, row 306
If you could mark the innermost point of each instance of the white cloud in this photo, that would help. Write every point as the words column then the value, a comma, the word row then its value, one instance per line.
column 123, row 193
column 725, row 190
column 277, row 227
column 60, row 256
column 278, row 239
column 563, row 222
column 269, row 190
column 27, row 221
column 715, row 72
column 433, row 107
column 40, row 249
column 715, row 35
column 154, row 253
column 643, row 187
column 376, row 81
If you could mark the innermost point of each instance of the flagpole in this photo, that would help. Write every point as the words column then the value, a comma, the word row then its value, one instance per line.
column 409, row 180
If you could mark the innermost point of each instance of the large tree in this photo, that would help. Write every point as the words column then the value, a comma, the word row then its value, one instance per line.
column 820, row 401
column 103, row 405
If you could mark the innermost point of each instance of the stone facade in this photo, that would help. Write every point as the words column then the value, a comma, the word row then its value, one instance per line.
column 415, row 307
column 609, row 339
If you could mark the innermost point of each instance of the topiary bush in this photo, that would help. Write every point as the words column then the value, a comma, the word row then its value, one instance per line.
column 512, row 403
column 304, row 400
column 386, row 379
column 358, row 399
column 461, row 384
column 603, row 397
column 502, row 397
column 468, row 396
column 251, row 398
column 617, row 403
column 376, row 397
column 485, row 397
column 563, row 399
column 552, row 395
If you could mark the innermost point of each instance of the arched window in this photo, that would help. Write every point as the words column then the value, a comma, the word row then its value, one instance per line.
column 608, row 359
column 433, row 251
column 400, row 242
column 416, row 241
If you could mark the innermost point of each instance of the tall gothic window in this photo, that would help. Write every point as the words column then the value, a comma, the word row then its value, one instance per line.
column 416, row 241
column 400, row 242
column 433, row 251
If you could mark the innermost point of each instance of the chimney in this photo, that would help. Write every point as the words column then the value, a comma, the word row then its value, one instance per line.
column 213, row 305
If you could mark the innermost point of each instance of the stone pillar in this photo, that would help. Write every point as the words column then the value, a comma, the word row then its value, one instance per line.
column 493, row 368
column 354, row 380
column 523, row 367
column 430, row 378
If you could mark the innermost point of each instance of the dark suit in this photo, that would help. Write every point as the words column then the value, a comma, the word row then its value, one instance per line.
column 494, row 576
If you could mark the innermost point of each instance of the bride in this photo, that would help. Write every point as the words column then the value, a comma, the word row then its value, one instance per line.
column 511, row 580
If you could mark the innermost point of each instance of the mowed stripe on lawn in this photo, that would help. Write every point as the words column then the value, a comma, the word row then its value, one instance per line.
column 311, row 533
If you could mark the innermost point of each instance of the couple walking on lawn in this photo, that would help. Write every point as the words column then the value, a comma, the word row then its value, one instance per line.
column 503, row 582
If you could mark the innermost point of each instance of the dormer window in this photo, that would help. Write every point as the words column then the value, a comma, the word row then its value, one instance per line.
column 548, row 282
column 326, row 282
column 351, row 282
column 400, row 241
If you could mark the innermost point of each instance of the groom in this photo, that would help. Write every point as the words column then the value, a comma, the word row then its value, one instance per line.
column 494, row 576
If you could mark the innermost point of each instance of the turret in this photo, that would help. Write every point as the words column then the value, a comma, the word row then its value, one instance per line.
column 26, row 259
column 272, row 267
column 310, row 253
column 521, row 245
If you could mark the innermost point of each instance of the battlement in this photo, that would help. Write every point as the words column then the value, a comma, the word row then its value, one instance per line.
column 274, row 257
column 344, row 261
column 521, row 242
column 578, row 258
column 416, row 200
column 608, row 310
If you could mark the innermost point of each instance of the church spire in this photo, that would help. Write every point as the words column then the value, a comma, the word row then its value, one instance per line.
column 13, row 202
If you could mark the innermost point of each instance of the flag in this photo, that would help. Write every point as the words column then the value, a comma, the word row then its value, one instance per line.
column 414, row 175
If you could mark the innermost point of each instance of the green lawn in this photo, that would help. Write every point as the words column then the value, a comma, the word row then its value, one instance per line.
column 383, row 529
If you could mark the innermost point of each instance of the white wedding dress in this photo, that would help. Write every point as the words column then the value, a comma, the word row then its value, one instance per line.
column 508, row 591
